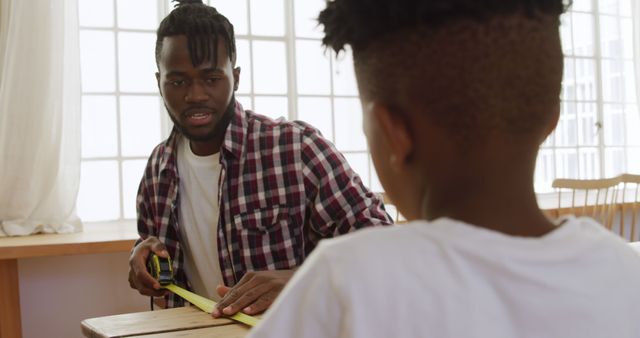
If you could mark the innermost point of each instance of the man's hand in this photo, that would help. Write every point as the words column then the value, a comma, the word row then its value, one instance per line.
column 255, row 292
column 139, row 277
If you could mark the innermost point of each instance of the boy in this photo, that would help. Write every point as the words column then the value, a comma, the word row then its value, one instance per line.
column 457, row 97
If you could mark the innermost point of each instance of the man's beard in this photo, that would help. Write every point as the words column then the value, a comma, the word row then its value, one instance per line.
column 217, row 132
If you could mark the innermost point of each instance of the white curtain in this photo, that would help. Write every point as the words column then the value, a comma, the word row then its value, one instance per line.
column 39, row 116
column 635, row 18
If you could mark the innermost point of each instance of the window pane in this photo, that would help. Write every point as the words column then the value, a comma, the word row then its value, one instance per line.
column 615, row 163
column 137, row 62
column 348, row 124
column 245, row 101
column 267, row 17
column 633, row 125
column 566, row 163
column 243, row 61
column 272, row 106
column 95, row 13
column 344, row 78
column 569, row 80
column 565, row 32
column 306, row 18
column 609, row 6
column 97, row 60
column 589, row 163
column 610, row 38
column 585, row 80
column 138, row 14
column 588, row 124
column 99, row 131
column 581, row 5
column 627, row 38
column 140, row 124
column 567, row 129
column 131, row 175
column 235, row 11
column 583, row 34
column 316, row 111
column 270, row 68
column 360, row 164
column 312, row 68
column 630, row 94
column 544, row 175
column 614, row 124
column 633, row 157
column 99, row 198
column 612, row 80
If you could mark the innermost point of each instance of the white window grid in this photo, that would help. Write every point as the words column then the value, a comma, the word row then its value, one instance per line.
column 599, row 113
column 110, row 178
column 595, row 136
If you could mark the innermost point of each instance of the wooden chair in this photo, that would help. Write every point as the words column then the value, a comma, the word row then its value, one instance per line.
column 629, row 204
column 593, row 198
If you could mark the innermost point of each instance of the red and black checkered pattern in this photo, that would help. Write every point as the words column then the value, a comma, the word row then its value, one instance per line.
column 283, row 187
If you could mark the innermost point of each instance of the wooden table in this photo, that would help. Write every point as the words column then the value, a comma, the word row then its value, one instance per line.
column 107, row 237
column 178, row 322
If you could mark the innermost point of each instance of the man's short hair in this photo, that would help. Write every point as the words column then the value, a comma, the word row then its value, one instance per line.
column 202, row 25
column 474, row 66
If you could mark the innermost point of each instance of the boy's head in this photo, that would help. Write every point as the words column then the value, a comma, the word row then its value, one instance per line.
column 451, row 89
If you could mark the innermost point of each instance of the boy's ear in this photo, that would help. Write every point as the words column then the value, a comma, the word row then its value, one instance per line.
column 395, row 129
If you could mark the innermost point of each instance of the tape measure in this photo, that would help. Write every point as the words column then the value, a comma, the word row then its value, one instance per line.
column 161, row 269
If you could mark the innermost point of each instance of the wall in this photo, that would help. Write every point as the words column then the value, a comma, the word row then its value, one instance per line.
column 57, row 293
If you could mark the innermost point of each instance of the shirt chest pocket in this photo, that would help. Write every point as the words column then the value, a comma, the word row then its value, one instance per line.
column 268, row 238
column 262, row 220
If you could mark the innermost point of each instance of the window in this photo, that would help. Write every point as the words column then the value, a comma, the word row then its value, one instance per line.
column 285, row 72
column 597, row 135
column 121, row 109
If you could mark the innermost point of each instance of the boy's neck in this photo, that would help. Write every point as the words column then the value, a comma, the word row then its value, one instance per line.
column 503, row 201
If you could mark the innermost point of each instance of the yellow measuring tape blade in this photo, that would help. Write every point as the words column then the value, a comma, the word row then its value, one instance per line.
column 207, row 305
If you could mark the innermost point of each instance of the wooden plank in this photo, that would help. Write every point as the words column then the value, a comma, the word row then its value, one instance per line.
column 150, row 322
column 10, row 324
column 104, row 237
column 225, row 331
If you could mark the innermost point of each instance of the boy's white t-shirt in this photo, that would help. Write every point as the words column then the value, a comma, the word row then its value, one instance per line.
column 450, row 279
column 198, row 216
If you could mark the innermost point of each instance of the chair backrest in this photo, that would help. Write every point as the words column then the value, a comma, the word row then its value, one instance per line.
column 593, row 198
column 606, row 200
column 629, row 204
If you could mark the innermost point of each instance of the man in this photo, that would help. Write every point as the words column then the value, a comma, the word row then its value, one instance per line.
column 457, row 96
column 232, row 197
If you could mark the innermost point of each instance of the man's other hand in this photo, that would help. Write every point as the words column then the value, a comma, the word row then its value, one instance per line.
column 139, row 277
column 255, row 292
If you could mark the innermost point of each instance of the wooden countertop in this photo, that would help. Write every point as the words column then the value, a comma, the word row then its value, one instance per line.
column 99, row 237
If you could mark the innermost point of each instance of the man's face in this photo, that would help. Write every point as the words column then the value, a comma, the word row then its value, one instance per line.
column 196, row 97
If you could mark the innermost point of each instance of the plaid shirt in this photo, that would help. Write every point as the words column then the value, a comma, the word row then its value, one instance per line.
column 282, row 189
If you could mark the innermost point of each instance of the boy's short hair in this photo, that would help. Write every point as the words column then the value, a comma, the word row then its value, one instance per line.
column 475, row 66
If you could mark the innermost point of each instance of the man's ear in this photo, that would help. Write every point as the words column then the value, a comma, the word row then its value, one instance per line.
column 395, row 128
column 236, row 78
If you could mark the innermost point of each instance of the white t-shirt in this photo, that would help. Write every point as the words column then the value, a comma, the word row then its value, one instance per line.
column 199, row 210
column 450, row 279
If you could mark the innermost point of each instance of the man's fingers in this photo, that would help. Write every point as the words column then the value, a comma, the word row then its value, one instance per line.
column 247, row 298
column 159, row 249
column 262, row 303
column 222, row 290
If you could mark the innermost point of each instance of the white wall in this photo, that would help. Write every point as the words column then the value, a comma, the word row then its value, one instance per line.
column 57, row 293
